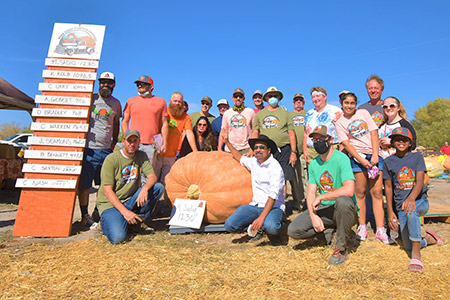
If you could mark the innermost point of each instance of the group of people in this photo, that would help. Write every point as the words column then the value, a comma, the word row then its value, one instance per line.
column 346, row 151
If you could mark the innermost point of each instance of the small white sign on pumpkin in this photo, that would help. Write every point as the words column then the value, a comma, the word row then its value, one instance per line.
column 188, row 213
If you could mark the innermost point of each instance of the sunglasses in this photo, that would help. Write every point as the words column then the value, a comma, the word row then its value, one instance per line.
column 202, row 125
column 262, row 147
column 402, row 139
column 205, row 103
column 299, row 99
column 238, row 96
column 106, row 81
column 142, row 84
column 391, row 106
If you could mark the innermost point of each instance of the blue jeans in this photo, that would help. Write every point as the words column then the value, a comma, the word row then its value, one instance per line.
column 410, row 225
column 114, row 225
column 91, row 166
column 246, row 214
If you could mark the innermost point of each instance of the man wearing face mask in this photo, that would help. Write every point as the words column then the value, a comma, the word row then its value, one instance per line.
column 322, row 114
column 148, row 114
column 276, row 123
column 331, row 214
column 100, row 142
column 238, row 123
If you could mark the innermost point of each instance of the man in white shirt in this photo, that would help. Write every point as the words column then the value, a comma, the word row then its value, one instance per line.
column 266, row 211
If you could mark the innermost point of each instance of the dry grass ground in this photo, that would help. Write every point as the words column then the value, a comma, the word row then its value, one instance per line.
column 210, row 266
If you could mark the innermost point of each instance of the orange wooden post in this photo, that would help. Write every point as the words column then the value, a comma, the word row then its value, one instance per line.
column 51, row 174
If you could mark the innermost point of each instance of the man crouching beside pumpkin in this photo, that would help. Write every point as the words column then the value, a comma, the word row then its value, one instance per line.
column 121, row 201
column 266, row 211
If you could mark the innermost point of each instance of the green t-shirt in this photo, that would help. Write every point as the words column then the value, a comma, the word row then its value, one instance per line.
column 298, row 121
column 124, row 174
column 195, row 116
column 329, row 175
column 274, row 124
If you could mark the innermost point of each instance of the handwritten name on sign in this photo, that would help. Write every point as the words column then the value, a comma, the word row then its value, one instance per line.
column 52, row 169
column 82, row 101
column 69, row 127
column 69, row 74
column 45, row 154
column 66, row 87
column 56, row 141
column 46, row 183
column 59, row 113
column 188, row 213
column 74, row 63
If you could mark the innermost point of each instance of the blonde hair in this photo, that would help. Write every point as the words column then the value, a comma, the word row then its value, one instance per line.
column 377, row 79
column 401, row 108
column 318, row 89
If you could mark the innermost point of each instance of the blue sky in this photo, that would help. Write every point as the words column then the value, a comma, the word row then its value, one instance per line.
column 212, row 47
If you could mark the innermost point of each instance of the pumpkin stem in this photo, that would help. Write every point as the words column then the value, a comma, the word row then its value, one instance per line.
column 193, row 192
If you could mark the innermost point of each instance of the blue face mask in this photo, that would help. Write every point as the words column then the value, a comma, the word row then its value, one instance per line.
column 273, row 101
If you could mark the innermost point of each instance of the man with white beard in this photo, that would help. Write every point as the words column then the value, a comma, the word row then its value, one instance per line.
column 100, row 142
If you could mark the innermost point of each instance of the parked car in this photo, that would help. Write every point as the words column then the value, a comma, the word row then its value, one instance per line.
column 18, row 140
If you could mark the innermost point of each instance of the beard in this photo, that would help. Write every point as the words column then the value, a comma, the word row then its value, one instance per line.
column 105, row 92
column 176, row 110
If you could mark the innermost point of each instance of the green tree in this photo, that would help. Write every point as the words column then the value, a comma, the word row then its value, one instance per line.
column 9, row 129
column 432, row 123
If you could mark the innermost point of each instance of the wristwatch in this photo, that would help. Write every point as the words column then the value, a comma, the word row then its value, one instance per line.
column 294, row 151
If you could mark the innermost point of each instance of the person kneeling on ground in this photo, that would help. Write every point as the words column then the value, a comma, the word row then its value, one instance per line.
column 120, row 197
column 266, row 211
column 334, row 209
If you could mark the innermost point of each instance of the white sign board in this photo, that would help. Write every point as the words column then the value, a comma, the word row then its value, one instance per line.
column 69, row 75
column 52, row 169
column 56, row 141
column 66, row 87
column 188, row 213
column 69, row 127
column 45, row 154
column 46, row 183
column 59, row 113
column 73, row 63
column 82, row 101
column 76, row 41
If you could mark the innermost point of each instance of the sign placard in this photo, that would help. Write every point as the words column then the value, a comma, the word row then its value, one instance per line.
column 52, row 169
column 59, row 113
column 82, row 101
column 76, row 41
column 66, row 87
column 69, row 75
column 46, row 183
column 56, row 141
column 188, row 213
column 45, row 154
column 70, row 127
column 72, row 63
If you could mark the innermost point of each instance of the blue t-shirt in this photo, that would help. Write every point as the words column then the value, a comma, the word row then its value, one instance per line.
column 402, row 172
column 216, row 126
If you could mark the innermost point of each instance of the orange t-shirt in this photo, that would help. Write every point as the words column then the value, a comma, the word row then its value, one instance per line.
column 176, row 127
column 146, row 115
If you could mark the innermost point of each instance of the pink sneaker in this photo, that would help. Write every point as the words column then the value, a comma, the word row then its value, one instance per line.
column 382, row 236
column 362, row 233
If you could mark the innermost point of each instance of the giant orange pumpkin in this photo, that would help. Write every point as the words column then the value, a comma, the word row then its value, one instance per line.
column 214, row 177
column 446, row 163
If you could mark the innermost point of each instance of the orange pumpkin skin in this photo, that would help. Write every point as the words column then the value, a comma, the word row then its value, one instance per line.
column 224, row 184
column 447, row 163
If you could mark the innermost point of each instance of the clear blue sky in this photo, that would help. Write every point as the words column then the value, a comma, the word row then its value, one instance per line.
column 212, row 47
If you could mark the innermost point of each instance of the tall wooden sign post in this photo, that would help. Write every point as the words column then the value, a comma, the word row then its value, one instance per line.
column 53, row 167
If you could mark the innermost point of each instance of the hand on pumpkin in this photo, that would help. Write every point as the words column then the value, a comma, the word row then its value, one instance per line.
column 131, row 217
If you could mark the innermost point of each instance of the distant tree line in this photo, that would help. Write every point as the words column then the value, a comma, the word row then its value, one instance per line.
column 432, row 123
column 9, row 129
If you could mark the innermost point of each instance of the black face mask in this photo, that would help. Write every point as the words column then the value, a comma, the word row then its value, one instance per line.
column 322, row 146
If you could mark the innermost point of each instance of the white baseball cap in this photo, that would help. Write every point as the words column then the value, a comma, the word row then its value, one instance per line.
column 222, row 101
column 107, row 75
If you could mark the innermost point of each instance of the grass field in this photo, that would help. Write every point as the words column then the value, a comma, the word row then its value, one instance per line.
column 210, row 266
